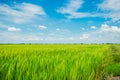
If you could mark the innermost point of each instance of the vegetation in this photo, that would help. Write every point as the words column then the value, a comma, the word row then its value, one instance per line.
column 59, row 62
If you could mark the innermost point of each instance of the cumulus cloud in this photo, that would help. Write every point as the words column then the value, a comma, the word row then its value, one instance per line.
column 14, row 29
column 105, row 34
column 70, row 10
column 42, row 27
column 111, row 9
column 21, row 13
column 93, row 27
column 105, row 27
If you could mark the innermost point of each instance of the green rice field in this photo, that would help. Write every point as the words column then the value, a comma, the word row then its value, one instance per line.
column 59, row 61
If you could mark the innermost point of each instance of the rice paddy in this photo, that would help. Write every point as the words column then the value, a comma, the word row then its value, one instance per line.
column 59, row 61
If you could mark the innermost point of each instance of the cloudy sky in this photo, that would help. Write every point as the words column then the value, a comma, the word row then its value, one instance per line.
column 59, row 21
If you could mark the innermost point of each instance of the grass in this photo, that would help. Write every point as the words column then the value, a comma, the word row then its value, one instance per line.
column 59, row 62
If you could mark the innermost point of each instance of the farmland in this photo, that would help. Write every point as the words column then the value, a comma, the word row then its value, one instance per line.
column 59, row 61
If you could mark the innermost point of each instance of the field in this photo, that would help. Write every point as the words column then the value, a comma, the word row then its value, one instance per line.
column 59, row 62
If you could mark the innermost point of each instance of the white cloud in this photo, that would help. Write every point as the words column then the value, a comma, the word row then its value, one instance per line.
column 71, row 6
column 111, row 9
column 21, row 13
column 42, row 27
column 104, row 34
column 93, row 27
column 14, row 29
column 105, row 27
column 84, row 36
column 70, row 10
column 112, row 5
column 33, row 9
column 58, row 29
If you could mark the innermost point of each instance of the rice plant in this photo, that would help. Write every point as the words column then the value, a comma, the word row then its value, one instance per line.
column 56, row 62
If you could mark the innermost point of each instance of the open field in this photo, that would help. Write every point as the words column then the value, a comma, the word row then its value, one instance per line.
column 59, row 62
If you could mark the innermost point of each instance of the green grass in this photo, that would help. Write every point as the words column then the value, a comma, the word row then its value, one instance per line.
column 59, row 62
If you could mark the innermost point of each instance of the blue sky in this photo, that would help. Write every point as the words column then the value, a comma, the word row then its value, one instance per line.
column 59, row 21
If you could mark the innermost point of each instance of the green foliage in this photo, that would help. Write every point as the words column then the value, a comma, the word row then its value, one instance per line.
column 113, row 69
column 115, row 50
column 55, row 62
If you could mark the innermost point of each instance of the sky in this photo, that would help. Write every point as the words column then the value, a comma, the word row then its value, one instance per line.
column 59, row 21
